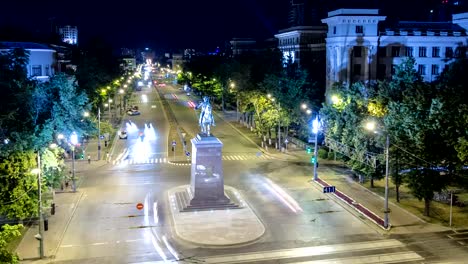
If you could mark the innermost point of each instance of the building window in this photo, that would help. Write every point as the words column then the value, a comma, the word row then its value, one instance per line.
column 448, row 52
column 357, row 69
column 435, row 52
column 334, row 30
column 422, row 51
column 382, row 71
column 395, row 51
column 46, row 70
column 359, row 29
column 357, row 51
column 383, row 51
column 422, row 69
column 460, row 52
column 36, row 70
column 409, row 51
column 435, row 69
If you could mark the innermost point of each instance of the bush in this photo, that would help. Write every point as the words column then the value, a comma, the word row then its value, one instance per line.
column 322, row 153
column 8, row 234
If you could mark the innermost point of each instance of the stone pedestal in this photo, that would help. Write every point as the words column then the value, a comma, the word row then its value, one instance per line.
column 207, row 180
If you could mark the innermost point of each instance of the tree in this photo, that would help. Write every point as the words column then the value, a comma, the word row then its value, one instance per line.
column 7, row 234
column 18, row 186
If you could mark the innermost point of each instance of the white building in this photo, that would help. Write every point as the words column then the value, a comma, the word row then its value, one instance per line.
column 360, row 47
column 69, row 34
column 41, row 58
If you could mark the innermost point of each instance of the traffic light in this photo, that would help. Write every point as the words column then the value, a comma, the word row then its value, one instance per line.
column 309, row 150
column 313, row 160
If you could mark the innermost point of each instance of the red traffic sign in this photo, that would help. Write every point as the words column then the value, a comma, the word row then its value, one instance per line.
column 139, row 206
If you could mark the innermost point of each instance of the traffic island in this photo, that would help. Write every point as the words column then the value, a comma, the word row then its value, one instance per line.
column 215, row 227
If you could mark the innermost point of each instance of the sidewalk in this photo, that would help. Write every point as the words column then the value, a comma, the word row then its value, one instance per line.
column 349, row 193
column 66, row 202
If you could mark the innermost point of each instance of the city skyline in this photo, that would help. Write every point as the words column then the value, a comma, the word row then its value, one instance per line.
column 186, row 24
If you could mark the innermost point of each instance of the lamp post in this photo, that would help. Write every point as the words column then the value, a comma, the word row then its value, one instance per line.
column 371, row 126
column 315, row 130
column 99, row 134
column 121, row 91
column 279, row 120
column 73, row 141
column 40, row 236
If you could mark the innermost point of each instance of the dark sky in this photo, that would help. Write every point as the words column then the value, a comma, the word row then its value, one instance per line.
column 173, row 23
column 169, row 23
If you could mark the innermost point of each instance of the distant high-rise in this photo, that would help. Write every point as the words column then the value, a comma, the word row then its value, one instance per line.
column 69, row 34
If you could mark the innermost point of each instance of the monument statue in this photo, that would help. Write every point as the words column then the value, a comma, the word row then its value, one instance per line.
column 206, row 119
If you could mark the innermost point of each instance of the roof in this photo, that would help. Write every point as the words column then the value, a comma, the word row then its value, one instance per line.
column 23, row 45
column 425, row 28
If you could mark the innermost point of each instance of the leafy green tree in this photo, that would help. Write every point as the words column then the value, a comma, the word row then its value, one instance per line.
column 18, row 186
column 7, row 234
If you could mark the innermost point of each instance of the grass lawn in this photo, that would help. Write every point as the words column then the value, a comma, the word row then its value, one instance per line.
column 439, row 212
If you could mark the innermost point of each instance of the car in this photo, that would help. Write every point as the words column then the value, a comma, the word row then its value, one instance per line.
column 123, row 134
column 133, row 112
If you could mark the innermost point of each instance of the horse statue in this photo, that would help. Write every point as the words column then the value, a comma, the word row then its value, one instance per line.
column 206, row 119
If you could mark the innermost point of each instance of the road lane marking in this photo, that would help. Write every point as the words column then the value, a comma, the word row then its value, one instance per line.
column 399, row 257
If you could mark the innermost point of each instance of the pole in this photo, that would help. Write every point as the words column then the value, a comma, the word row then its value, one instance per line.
column 387, row 146
column 237, row 109
column 315, row 156
column 41, row 217
column 120, row 104
column 279, row 127
column 451, row 203
column 73, row 169
column 99, row 134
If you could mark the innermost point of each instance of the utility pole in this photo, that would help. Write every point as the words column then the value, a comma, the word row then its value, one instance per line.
column 386, row 211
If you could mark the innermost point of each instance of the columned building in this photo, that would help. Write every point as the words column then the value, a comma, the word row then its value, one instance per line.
column 361, row 47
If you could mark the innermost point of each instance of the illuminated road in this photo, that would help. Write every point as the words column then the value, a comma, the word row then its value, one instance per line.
column 302, row 223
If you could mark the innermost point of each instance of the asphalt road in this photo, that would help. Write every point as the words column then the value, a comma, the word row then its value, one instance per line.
column 107, row 227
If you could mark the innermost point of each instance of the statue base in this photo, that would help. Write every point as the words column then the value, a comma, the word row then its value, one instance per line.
column 207, row 180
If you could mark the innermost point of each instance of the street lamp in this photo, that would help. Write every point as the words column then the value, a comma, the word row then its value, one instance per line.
column 121, row 91
column 372, row 127
column 73, row 141
column 39, row 236
column 99, row 134
column 279, row 120
column 315, row 130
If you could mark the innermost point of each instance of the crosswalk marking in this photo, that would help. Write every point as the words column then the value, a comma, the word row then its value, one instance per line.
column 398, row 257
column 325, row 252
column 165, row 160
column 304, row 252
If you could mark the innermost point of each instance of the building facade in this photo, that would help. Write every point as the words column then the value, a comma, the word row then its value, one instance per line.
column 42, row 59
column 361, row 47
column 69, row 34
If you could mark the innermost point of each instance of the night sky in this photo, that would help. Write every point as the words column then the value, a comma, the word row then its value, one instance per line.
column 169, row 23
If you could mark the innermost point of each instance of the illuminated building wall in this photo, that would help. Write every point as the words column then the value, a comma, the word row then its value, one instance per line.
column 69, row 34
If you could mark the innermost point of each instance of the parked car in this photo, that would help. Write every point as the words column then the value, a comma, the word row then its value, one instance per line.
column 123, row 134
column 133, row 112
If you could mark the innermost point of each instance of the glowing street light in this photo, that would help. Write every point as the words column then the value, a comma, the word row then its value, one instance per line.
column 371, row 126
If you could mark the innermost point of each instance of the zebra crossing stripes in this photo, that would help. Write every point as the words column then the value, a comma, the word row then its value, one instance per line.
column 246, row 157
column 379, row 251
column 140, row 161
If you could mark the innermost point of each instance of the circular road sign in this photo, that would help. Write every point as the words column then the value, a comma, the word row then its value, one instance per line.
column 139, row 206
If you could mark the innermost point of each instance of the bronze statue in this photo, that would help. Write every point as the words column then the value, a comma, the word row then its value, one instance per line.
column 206, row 119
